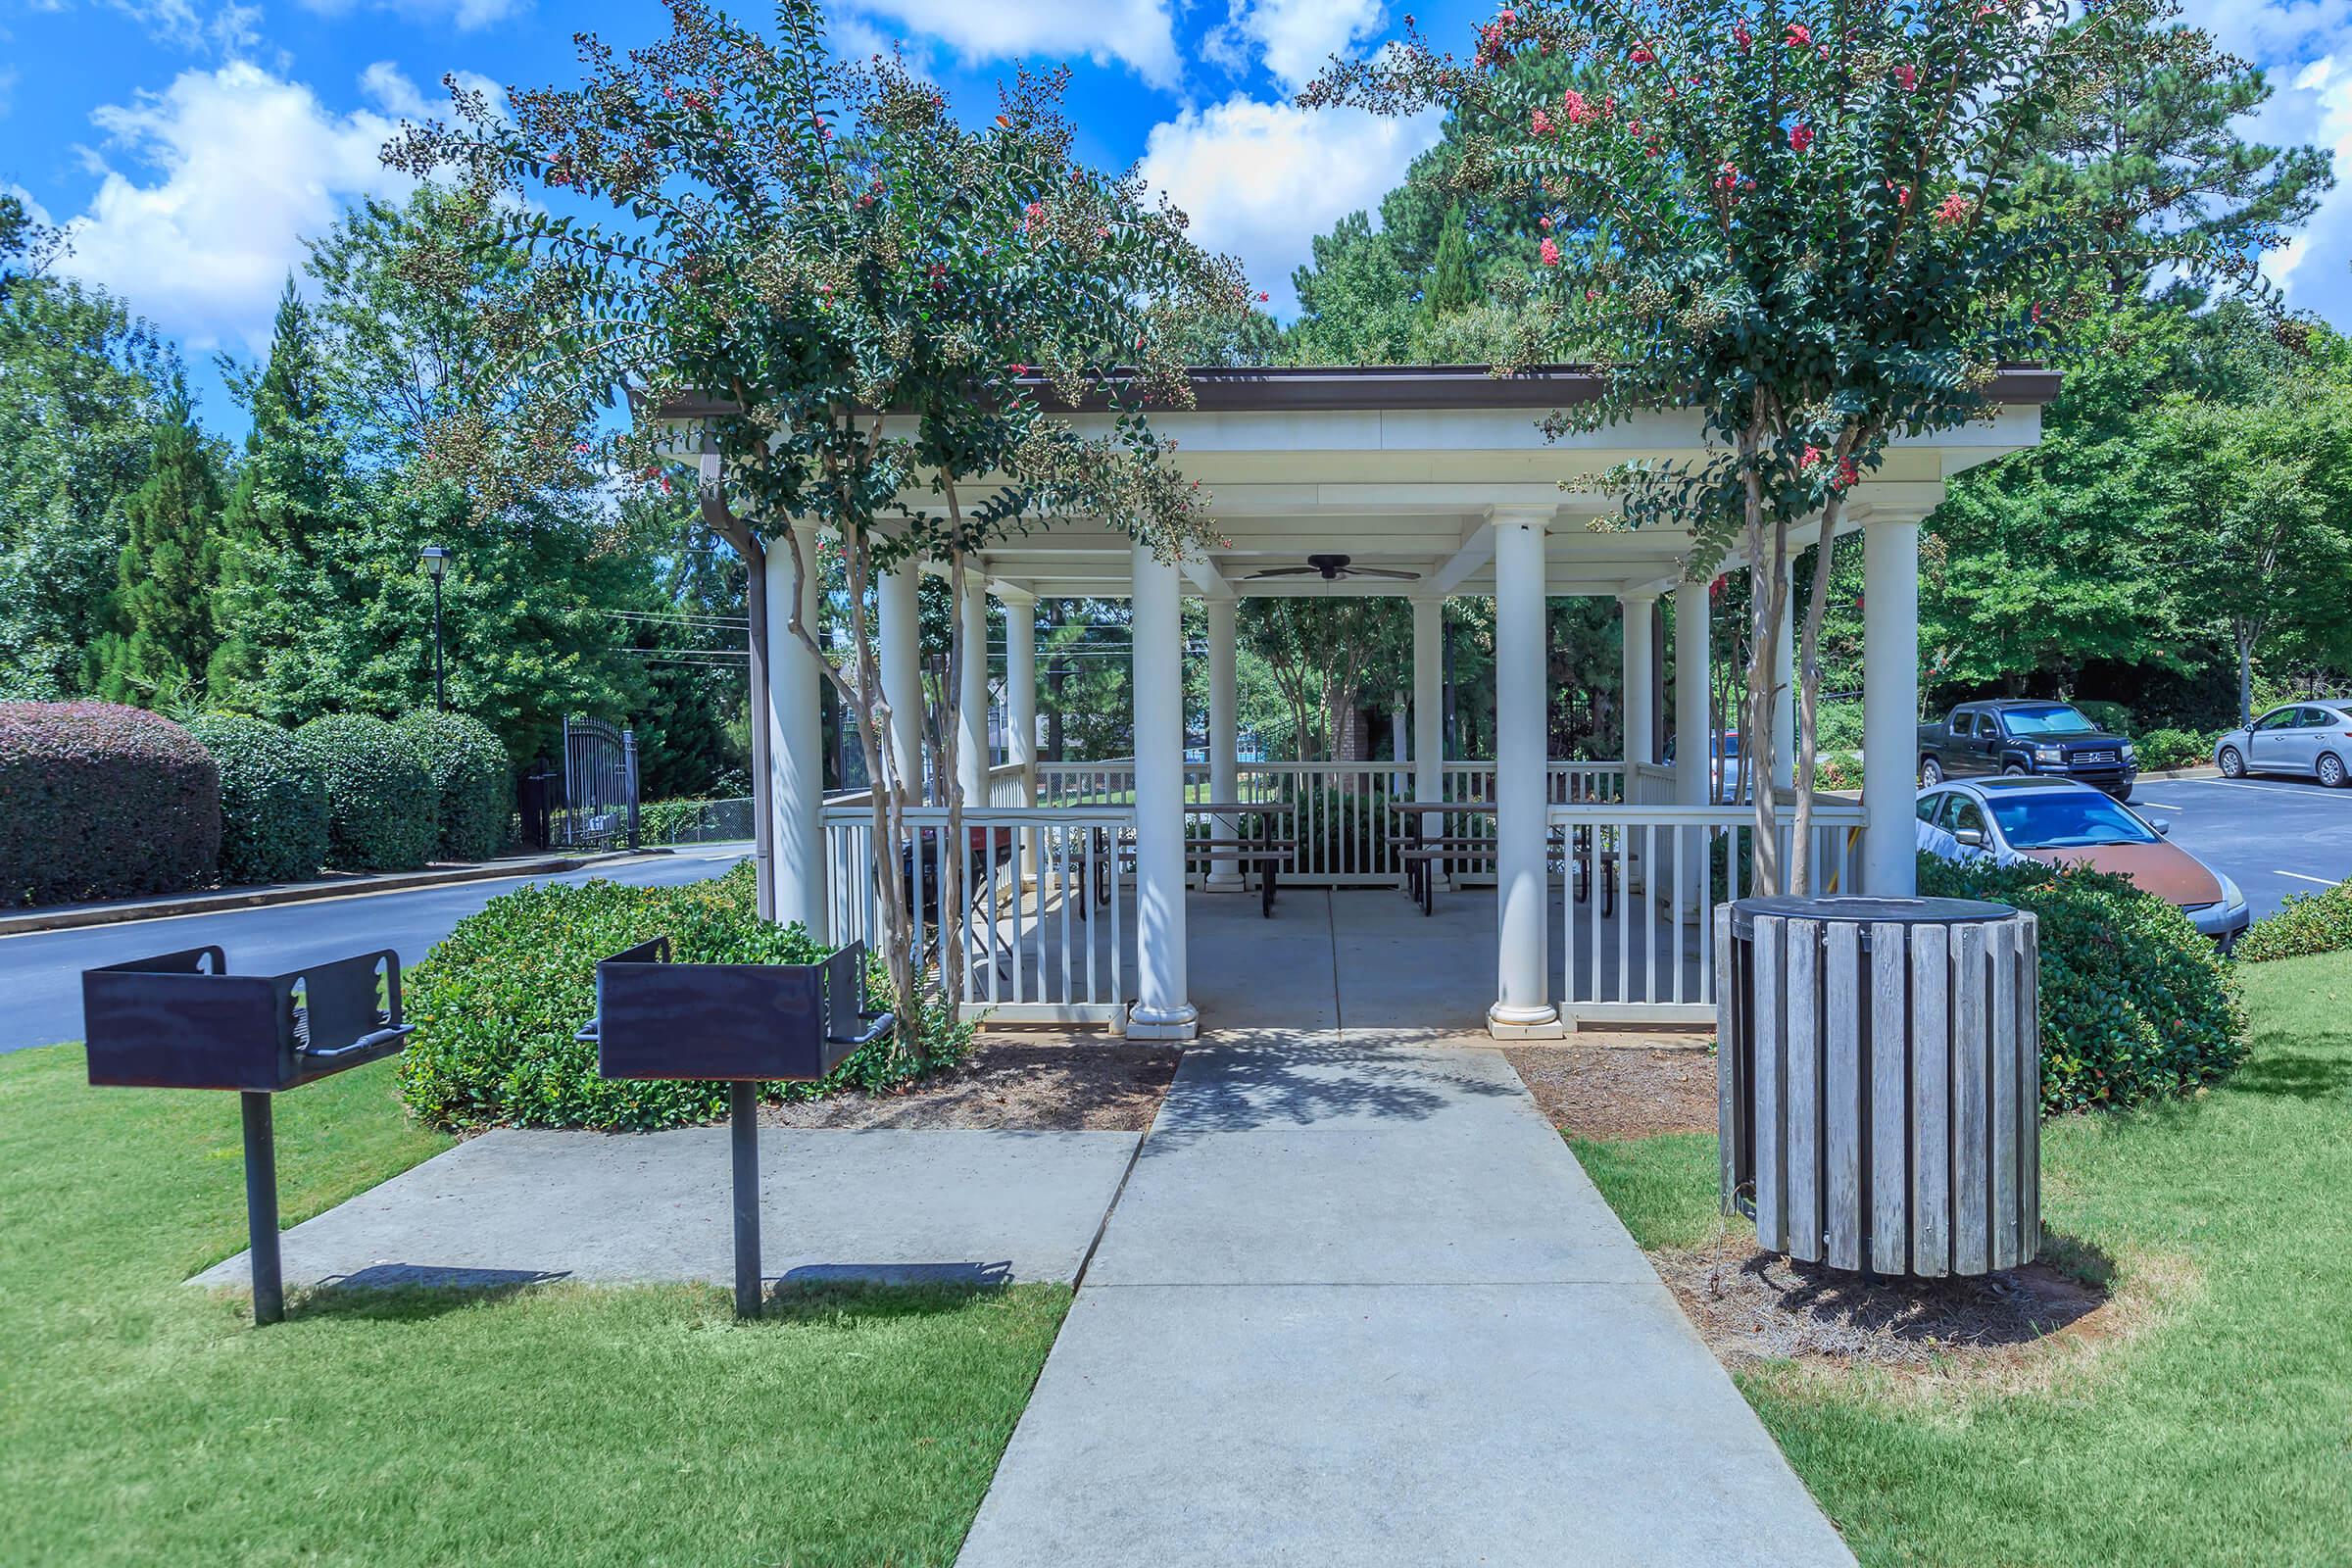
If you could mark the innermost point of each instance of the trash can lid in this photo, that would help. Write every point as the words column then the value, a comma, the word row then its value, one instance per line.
column 1867, row 911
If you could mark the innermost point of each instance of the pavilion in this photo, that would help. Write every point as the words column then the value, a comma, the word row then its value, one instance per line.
column 1442, row 472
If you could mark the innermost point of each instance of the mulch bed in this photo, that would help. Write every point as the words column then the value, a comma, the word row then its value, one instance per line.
column 1752, row 1305
column 1596, row 1091
column 1012, row 1082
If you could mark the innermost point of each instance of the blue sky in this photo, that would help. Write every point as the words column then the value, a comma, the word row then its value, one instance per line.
column 192, row 144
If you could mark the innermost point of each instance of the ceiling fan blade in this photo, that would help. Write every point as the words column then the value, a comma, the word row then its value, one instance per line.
column 1384, row 571
column 1283, row 572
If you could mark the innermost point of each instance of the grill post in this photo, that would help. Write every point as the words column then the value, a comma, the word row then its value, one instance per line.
column 743, row 1135
column 260, row 1207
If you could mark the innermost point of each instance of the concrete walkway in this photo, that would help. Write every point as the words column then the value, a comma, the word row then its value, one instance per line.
column 520, row 1207
column 1358, row 1305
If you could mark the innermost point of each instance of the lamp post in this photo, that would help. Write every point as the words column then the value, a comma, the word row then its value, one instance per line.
column 435, row 561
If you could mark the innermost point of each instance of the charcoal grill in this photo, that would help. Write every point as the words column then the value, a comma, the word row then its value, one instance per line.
column 180, row 1020
column 743, row 1024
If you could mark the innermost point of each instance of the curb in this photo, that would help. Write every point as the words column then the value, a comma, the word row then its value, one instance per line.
column 2181, row 773
column 78, row 917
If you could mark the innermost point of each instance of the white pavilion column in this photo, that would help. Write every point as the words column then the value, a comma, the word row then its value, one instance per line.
column 971, row 692
column 1634, row 697
column 1020, row 707
column 1890, row 705
column 1692, row 741
column 1429, row 712
column 1160, row 1011
column 1783, row 712
column 795, row 741
column 1224, row 769
column 902, row 673
column 1522, row 884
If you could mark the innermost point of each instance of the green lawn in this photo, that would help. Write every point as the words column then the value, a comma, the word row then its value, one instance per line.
column 143, row 1422
column 2220, row 1434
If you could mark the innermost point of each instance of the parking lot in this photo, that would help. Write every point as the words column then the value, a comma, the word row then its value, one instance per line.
column 2275, row 836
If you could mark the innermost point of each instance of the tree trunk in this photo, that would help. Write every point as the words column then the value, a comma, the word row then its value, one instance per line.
column 2245, row 674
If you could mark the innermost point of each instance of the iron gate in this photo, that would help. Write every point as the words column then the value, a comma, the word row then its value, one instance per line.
column 600, row 783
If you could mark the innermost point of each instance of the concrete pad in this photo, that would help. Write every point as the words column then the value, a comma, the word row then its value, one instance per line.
column 893, row 1206
column 1543, row 1425
column 1360, row 1305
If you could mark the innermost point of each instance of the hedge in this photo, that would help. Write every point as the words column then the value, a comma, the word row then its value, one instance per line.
column 472, row 778
column 383, row 813
column 272, row 801
column 496, row 1005
column 2163, row 750
column 2134, row 1003
column 2307, row 922
column 99, row 800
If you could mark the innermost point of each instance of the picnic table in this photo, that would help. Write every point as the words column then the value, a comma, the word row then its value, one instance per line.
column 1419, row 852
column 919, row 865
column 1261, row 848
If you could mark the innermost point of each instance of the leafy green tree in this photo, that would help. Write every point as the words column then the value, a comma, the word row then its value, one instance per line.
column 83, row 383
column 2259, row 499
column 162, row 639
column 1802, row 225
column 1453, row 283
column 1356, row 301
column 800, row 243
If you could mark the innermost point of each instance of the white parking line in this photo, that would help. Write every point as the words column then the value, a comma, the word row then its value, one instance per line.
column 2274, row 789
column 2323, row 881
column 2161, row 806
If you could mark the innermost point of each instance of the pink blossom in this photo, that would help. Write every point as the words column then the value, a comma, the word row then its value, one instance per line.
column 1545, row 222
column 1640, row 55
column 1847, row 478
column 1578, row 110
column 1906, row 78
column 1800, row 138
column 1263, row 296
column 1018, row 370
column 1799, row 37
column 1743, row 37
column 1812, row 457
column 1539, row 124
column 1549, row 253
column 1956, row 207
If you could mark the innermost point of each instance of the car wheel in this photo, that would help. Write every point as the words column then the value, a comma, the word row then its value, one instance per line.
column 2123, row 795
column 2234, row 763
column 2332, row 770
column 1930, row 774
column 2014, row 770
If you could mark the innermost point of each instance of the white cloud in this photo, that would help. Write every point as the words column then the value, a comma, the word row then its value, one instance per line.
column 1296, row 37
column 1261, row 180
column 227, row 172
column 1136, row 33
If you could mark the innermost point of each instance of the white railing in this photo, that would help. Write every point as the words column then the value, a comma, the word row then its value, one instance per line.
column 1047, row 919
column 1008, row 785
column 1637, row 944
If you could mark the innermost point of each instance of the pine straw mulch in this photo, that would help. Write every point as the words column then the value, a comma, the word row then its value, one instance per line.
column 1592, row 1088
column 1012, row 1082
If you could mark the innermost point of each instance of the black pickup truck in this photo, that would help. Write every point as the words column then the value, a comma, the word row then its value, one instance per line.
column 2016, row 736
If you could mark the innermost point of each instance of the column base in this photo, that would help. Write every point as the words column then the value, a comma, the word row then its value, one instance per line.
column 1524, row 1023
column 1226, row 882
column 1163, row 1023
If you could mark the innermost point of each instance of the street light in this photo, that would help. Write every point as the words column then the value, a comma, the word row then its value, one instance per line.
column 436, row 562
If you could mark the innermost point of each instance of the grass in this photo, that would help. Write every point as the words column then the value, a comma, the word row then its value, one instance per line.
column 2221, row 1433
column 144, row 1422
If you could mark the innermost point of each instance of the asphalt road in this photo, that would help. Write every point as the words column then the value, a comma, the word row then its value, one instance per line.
column 2275, row 836
column 40, row 972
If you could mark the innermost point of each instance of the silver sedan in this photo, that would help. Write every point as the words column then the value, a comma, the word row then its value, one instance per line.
column 2310, row 740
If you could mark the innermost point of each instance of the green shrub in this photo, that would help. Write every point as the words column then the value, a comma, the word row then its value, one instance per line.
column 272, row 800
column 2166, row 749
column 382, row 809
column 498, row 1002
column 1837, row 726
column 2112, row 717
column 2134, row 1003
column 472, row 780
column 2307, row 922
column 101, row 802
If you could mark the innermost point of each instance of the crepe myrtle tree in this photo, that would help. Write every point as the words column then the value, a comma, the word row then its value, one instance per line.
column 887, row 319
column 1806, row 224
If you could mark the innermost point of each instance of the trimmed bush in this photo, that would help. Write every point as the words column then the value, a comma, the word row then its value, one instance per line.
column 2112, row 717
column 382, row 809
column 2134, row 1003
column 497, row 1004
column 272, row 801
column 102, row 802
column 2163, row 750
column 2307, row 922
column 472, row 778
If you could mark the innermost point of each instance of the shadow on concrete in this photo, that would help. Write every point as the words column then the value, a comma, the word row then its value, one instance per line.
column 964, row 1276
column 1287, row 1081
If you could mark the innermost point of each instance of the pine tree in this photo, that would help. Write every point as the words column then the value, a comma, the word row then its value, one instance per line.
column 163, row 636
column 286, row 499
column 1452, row 279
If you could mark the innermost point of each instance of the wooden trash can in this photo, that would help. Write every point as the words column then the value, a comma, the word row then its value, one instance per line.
column 1879, row 1079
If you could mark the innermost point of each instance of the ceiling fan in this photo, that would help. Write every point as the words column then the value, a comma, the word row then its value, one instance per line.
column 1330, row 568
